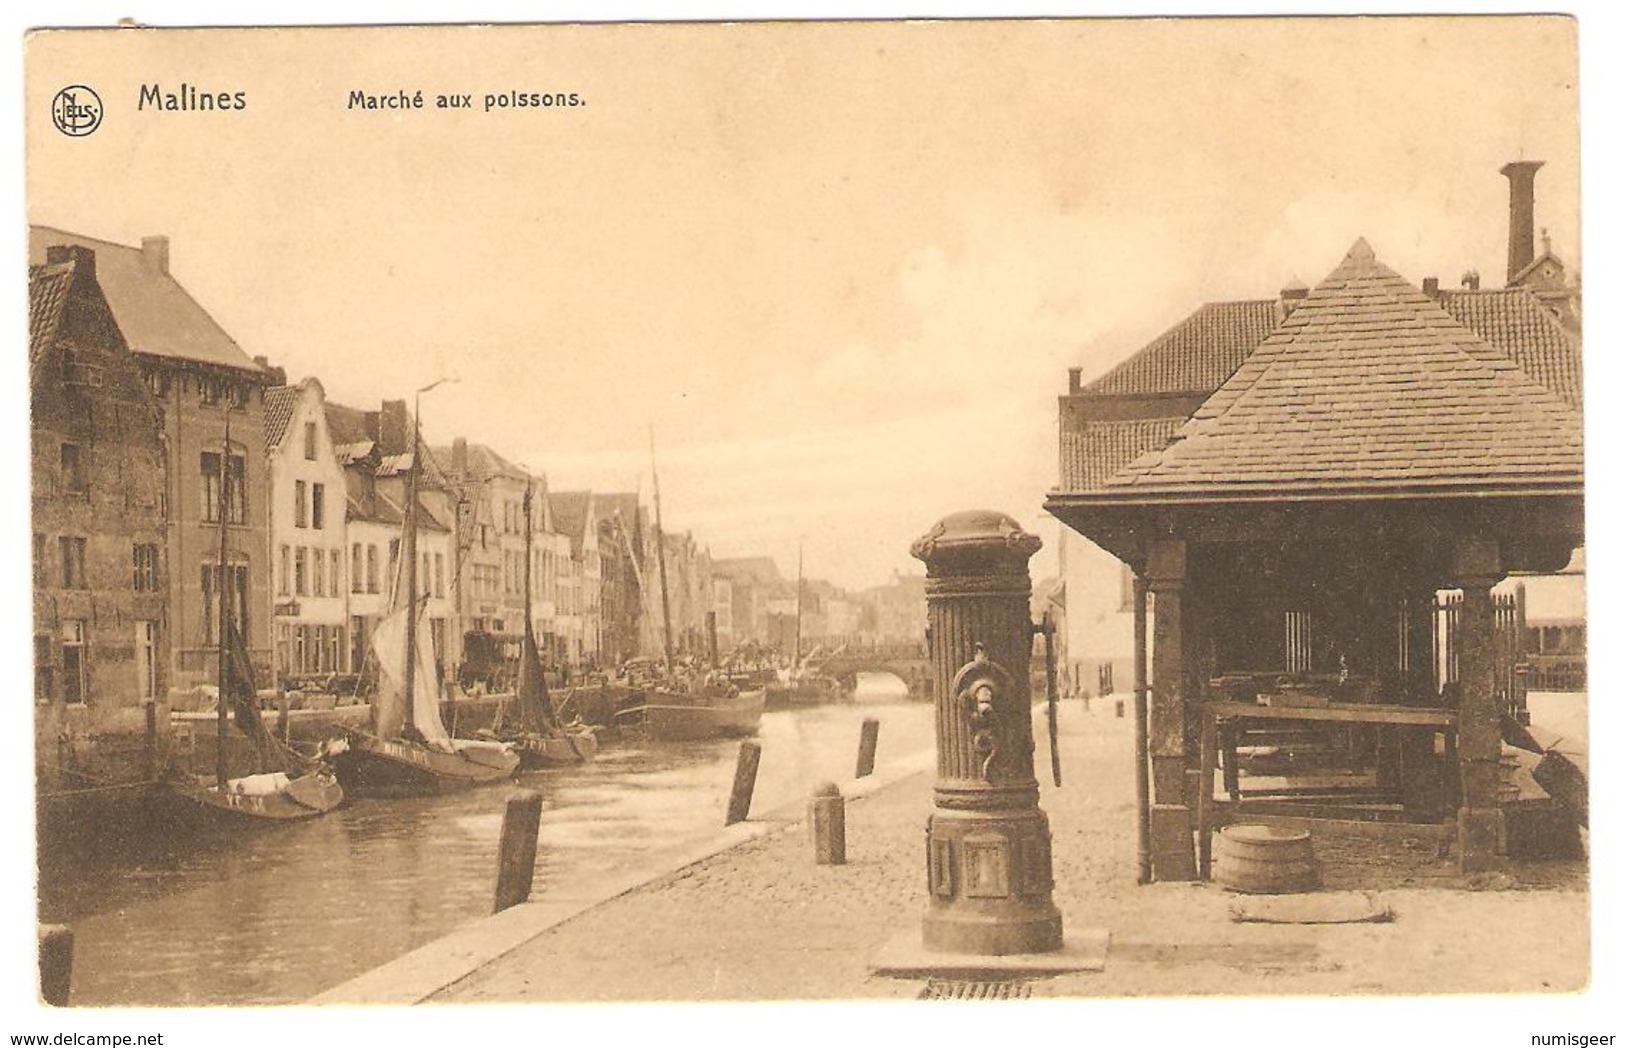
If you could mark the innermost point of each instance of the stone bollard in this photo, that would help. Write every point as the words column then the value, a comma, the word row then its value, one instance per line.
column 750, row 756
column 516, row 855
column 826, row 812
column 55, row 963
column 868, row 741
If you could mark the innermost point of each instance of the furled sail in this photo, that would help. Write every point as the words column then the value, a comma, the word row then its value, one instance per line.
column 535, row 708
column 389, row 706
column 271, row 754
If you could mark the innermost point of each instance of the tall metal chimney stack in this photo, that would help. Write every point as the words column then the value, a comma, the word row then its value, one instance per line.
column 1521, row 223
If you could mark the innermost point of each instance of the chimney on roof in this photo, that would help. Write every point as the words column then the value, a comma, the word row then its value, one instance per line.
column 394, row 428
column 1292, row 297
column 83, row 258
column 1469, row 280
column 459, row 458
column 1521, row 220
column 1430, row 287
column 155, row 253
column 1074, row 380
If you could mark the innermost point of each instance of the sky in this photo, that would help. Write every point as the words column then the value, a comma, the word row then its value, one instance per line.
column 838, row 270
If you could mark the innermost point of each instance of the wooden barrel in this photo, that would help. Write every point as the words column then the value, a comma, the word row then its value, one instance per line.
column 1265, row 860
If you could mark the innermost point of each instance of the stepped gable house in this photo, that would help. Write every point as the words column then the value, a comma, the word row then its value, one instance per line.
column 1371, row 451
column 101, row 640
column 202, row 383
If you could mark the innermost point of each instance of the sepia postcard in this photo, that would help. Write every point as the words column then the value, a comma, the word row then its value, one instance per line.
column 545, row 514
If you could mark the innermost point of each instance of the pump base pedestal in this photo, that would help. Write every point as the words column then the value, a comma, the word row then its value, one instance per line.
column 905, row 956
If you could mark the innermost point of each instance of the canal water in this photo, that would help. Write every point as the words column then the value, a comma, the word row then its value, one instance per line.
column 276, row 915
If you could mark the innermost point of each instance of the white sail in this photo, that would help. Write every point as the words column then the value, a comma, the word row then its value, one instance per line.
column 389, row 645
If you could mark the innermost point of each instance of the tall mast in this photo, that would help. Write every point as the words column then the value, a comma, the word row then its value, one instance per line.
column 660, row 554
column 529, row 483
column 221, row 574
column 409, row 550
column 799, row 577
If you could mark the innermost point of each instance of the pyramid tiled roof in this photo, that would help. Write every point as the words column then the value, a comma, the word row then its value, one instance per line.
column 1196, row 354
column 1368, row 384
column 157, row 315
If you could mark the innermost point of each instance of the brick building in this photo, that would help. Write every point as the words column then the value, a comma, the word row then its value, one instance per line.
column 203, row 384
column 101, row 640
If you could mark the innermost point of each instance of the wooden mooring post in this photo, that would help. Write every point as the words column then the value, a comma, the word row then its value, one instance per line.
column 516, row 856
column 750, row 756
column 868, row 742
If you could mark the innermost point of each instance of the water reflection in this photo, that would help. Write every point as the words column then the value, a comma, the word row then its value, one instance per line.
column 277, row 915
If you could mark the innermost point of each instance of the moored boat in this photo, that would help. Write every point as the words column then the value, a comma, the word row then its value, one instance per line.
column 674, row 716
column 287, row 786
column 409, row 752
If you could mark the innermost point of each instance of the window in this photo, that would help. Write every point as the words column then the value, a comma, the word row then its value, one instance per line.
column 301, row 505
column 1103, row 674
column 317, row 498
column 145, row 557
column 372, row 568
column 301, row 572
column 236, row 488
column 423, row 574
column 310, row 441
column 284, row 570
column 394, row 558
column 39, row 559
column 439, row 574
column 43, row 670
column 335, row 578
column 73, row 474
column 318, row 583
column 75, row 682
column 73, row 563
column 357, row 571
column 146, row 660
column 208, row 391
column 234, row 588
column 1299, row 642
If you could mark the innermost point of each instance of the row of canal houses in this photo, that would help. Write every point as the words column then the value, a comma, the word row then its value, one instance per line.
column 137, row 394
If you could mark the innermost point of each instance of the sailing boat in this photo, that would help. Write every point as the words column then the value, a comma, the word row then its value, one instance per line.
column 688, row 709
column 409, row 752
column 801, row 684
column 288, row 786
column 542, row 741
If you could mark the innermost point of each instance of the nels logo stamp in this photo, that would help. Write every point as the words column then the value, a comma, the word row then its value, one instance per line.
column 76, row 110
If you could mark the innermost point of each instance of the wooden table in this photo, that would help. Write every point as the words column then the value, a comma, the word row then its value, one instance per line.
column 1219, row 715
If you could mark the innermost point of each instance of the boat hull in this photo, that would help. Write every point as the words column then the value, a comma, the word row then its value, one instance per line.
column 371, row 767
column 553, row 751
column 702, row 717
column 304, row 797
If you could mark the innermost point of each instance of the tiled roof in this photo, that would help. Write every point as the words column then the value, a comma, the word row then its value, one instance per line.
column 1369, row 383
column 753, row 569
column 157, row 315
column 1514, row 321
column 279, row 404
column 47, row 296
column 346, row 425
column 1092, row 451
column 482, row 462
column 1196, row 354
column 570, row 514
